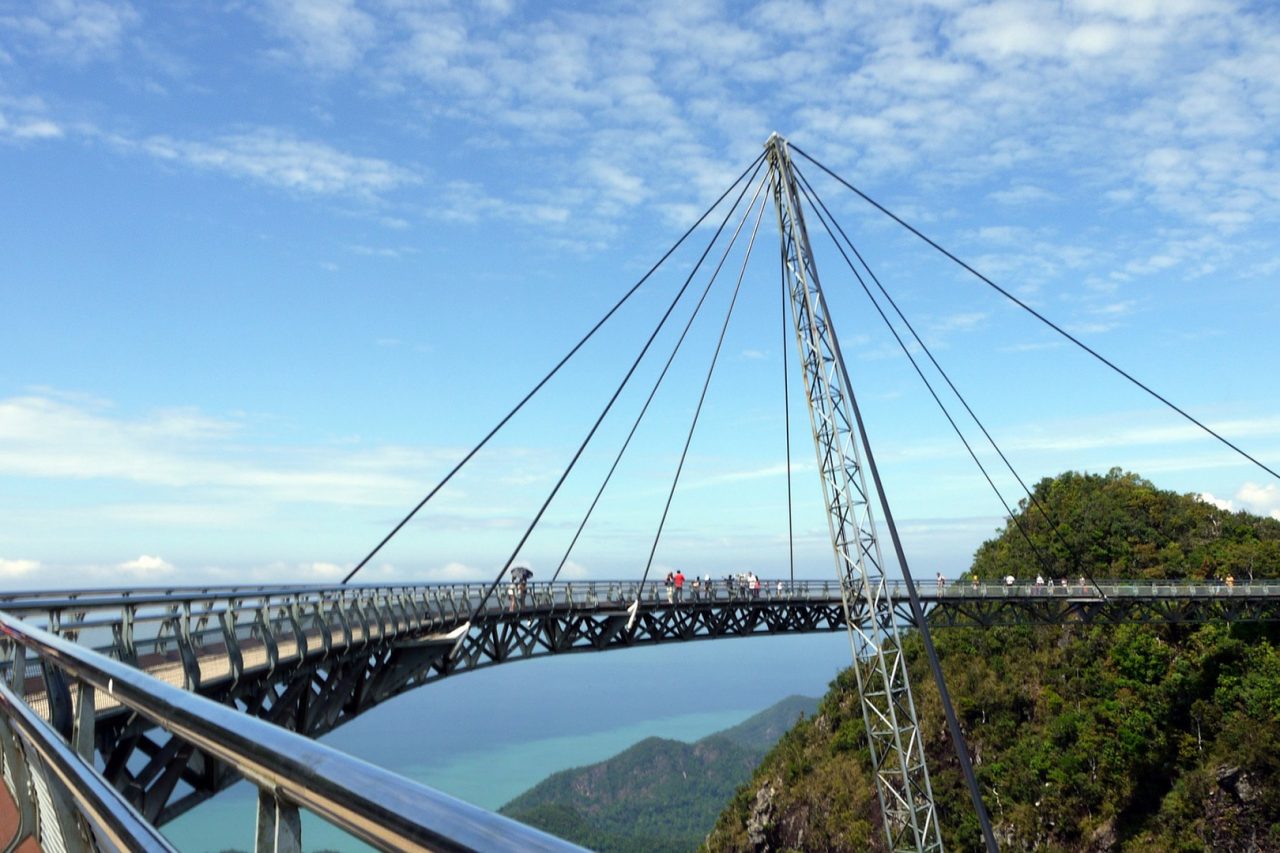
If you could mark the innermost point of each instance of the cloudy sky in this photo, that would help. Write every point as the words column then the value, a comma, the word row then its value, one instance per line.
column 272, row 268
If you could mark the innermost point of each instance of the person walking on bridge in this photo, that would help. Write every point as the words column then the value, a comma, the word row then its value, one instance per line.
column 679, row 582
column 519, row 584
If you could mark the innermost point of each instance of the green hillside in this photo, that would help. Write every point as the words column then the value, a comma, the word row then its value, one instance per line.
column 1085, row 738
column 659, row 795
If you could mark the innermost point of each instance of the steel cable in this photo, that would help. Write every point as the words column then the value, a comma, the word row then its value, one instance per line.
column 786, row 416
column 821, row 209
column 636, row 426
column 622, row 385
column 591, row 332
column 703, row 396
column 1033, row 312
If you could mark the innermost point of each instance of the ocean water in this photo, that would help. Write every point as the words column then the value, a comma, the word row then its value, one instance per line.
column 489, row 735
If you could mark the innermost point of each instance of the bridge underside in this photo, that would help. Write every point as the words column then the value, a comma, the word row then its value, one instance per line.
column 311, row 678
column 314, row 693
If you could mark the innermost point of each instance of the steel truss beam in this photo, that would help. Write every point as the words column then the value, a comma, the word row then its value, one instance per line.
column 313, row 691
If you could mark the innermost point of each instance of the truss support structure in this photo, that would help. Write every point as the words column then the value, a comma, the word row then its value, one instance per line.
column 888, row 709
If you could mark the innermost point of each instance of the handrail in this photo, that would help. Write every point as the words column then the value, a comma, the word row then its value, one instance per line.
column 562, row 592
column 112, row 816
column 373, row 804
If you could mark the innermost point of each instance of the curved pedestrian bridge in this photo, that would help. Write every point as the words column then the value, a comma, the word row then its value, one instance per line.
column 308, row 658
column 218, row 640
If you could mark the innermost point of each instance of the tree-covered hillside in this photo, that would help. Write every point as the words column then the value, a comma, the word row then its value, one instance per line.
column 659, row 795
column 1085, row 738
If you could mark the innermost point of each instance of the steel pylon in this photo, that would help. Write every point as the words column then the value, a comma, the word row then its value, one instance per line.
column 888, row 710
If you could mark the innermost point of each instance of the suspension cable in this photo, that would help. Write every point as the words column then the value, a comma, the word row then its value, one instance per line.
column 786, row 416
column 754, row 164
column 702, row 398
column 828, row 220
column 623, row 384
column 1033, row 312
column 643, row 410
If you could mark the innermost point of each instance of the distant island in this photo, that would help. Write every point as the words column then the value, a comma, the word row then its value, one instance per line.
column 659, row 796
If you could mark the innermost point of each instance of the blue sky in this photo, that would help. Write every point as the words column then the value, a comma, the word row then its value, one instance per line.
column 271, row 268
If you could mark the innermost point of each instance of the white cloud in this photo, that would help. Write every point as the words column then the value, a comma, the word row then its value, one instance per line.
column 146, row 566
column 1263, row 500
column 26, row 120
column 573, row 571
column 455, row 571
column 72, row 31
column 1257, row 499
column 951, row 94
column 17, row 568
column 1220, row 503
column 330, row 34
column 1106, row 433
column 463, row 201
column 279, row 159
column 25, row 129
column 963, row 322
column 325, row 571
column 42, row 436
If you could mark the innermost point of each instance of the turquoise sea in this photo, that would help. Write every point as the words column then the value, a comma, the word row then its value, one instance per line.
column 486, row 736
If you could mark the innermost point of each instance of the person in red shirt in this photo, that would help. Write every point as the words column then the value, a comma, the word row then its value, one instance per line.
column 679, row 579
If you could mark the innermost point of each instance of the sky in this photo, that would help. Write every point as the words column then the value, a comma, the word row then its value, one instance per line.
column 271, row 269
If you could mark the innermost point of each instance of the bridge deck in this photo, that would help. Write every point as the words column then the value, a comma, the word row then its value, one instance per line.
column 719, row 610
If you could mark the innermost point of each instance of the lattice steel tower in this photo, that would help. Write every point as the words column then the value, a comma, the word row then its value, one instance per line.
column 888, row 710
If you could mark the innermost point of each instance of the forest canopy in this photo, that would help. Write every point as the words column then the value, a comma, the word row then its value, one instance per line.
column 1084, row 737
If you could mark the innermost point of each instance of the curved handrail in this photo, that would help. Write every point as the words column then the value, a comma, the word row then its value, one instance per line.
column 112, row 816
column 373, row 804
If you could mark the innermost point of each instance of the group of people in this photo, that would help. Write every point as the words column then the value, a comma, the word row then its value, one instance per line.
column 747, row 582
column 675, row 586
column 1040, row 585
column 742, row 583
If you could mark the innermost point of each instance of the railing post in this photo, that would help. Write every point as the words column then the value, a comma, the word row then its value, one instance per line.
column 184, row 623
column 364, row 622
column 279, row 827
column 267, row 633
column 18, row 772
column 235, row 660
column 59, row 697
column 412, row 618
column 326, row 636
column 299, row 636
column 186, row 652
column 386, row 615
column 342, row 620
column 125, row 647
column 83, row 726
column 60, row 826
column 18, row 675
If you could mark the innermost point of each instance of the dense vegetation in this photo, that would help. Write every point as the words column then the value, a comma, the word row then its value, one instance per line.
column 1085, row 738
column 659, row 795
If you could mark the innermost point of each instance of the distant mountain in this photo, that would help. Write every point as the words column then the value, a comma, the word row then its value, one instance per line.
column 660, row 795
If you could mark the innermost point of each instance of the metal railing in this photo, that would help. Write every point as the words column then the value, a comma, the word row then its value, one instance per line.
column 61, row 802
column 203, row 632
column 291, row 772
